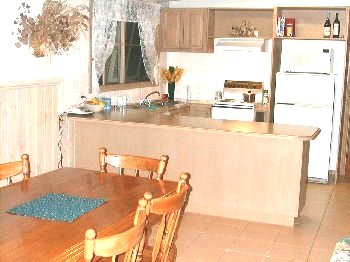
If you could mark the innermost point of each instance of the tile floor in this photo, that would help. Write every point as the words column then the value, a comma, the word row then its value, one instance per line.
column 324, row 219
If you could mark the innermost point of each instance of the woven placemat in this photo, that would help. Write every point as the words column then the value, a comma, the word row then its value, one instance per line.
column 57, row 207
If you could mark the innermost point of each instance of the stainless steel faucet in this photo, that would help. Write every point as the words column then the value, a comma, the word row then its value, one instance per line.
column 148, row 100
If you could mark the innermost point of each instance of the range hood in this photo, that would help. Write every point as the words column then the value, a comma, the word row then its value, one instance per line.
column 249, row 44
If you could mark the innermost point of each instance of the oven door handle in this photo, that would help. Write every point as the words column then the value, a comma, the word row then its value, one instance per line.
column 232, row 107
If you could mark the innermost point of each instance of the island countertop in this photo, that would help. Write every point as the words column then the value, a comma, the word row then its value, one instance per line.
column 133, row 116
column 257, row 170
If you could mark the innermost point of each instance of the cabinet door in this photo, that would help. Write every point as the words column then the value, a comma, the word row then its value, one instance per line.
column 195, row 26
column 184, row 29
column 200, row 110
column 171, row 29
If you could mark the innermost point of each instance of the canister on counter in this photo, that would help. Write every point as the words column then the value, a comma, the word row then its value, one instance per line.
column 108, row 102
column 266, row 97
column 251, row 97
column 218, row 95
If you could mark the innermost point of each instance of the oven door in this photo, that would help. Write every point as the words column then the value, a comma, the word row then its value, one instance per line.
column 232, row 113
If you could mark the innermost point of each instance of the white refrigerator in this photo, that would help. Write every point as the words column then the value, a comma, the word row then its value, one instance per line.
column 307, row 99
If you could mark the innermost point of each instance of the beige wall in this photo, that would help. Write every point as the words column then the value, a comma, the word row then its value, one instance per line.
column 18, row 64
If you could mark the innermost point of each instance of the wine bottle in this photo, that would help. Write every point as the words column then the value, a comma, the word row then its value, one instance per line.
column 327, row 28
column 336, row 27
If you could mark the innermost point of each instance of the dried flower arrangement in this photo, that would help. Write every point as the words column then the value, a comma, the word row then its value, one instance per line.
column 52, row 31
column 243, row 30
column 173, row 74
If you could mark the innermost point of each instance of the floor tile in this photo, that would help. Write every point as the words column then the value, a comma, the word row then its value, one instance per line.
column 251, row 246
column 231, row 256
column 230, row 221
column 325, row 242
column 205, row 254
column 291, row 252
column 320, row 255
column 194, row 221
column 328, row 235
column 187, row 236
column 297, row 236
column 314, row 209
column 261, row 231
column 224, row 229
column 214, row 240
column 309, row 220
column 273, row 259
column 323, row 220
column 180, row 247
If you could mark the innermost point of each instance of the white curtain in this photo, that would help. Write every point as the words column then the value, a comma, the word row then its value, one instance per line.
column 106, row 13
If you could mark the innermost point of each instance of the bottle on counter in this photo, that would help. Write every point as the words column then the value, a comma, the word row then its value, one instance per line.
column 266, row 98
column 336, row 27
column 327, row 28
column 251, row 98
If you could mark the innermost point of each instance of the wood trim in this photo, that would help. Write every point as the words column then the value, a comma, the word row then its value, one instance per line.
column 345, row 121
column 28, row 113
column 10, row 85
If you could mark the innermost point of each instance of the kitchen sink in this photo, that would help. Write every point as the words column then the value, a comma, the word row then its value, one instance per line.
column 154, row 105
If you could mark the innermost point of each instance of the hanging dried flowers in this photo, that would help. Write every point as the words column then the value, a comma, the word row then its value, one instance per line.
column 52, row 31
column 172, row 74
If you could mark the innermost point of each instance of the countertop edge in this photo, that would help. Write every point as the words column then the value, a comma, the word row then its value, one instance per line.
column 211, row 129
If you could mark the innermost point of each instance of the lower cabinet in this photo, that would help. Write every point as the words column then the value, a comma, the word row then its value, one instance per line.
column 200, row 110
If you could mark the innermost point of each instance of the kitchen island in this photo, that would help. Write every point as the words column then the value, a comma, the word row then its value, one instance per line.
column 246, row 170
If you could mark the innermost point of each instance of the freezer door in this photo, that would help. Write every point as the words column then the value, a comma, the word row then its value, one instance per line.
column 320, row 117
column 308, row 89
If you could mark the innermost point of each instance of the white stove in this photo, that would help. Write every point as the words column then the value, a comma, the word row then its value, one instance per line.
column 233, row 103
column 232, row 106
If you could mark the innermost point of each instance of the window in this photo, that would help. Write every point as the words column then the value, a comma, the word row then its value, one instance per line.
column 125, row 64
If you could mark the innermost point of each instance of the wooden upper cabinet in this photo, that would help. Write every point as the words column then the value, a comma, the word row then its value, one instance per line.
column 184, row 29
column 171, row 29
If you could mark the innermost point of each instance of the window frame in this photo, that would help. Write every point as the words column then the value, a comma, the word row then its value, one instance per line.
column 122, row 69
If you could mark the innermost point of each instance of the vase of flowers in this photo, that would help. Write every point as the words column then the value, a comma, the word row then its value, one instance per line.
column 171, row 75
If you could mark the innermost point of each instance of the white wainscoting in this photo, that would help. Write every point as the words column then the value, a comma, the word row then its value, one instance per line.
column 29, row 123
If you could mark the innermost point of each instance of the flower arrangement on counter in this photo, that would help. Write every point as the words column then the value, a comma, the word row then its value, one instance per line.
column 52, row 31
column 171, row 75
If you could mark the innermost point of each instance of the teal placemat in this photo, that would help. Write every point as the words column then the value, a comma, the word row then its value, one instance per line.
column 59, row 207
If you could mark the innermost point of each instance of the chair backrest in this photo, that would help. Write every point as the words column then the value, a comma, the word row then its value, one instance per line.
column 137, row 163
column 170, row 208
column 8, row 170
column 129, row 242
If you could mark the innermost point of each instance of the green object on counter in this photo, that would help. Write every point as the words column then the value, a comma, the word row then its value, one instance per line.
column 171, row 90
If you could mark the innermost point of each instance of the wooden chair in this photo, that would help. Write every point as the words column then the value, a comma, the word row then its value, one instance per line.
column 170, row 208
column 8, row 170
column 130, row 242
column 138, row 163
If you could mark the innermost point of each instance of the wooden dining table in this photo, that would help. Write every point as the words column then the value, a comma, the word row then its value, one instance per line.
column 24, row 238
